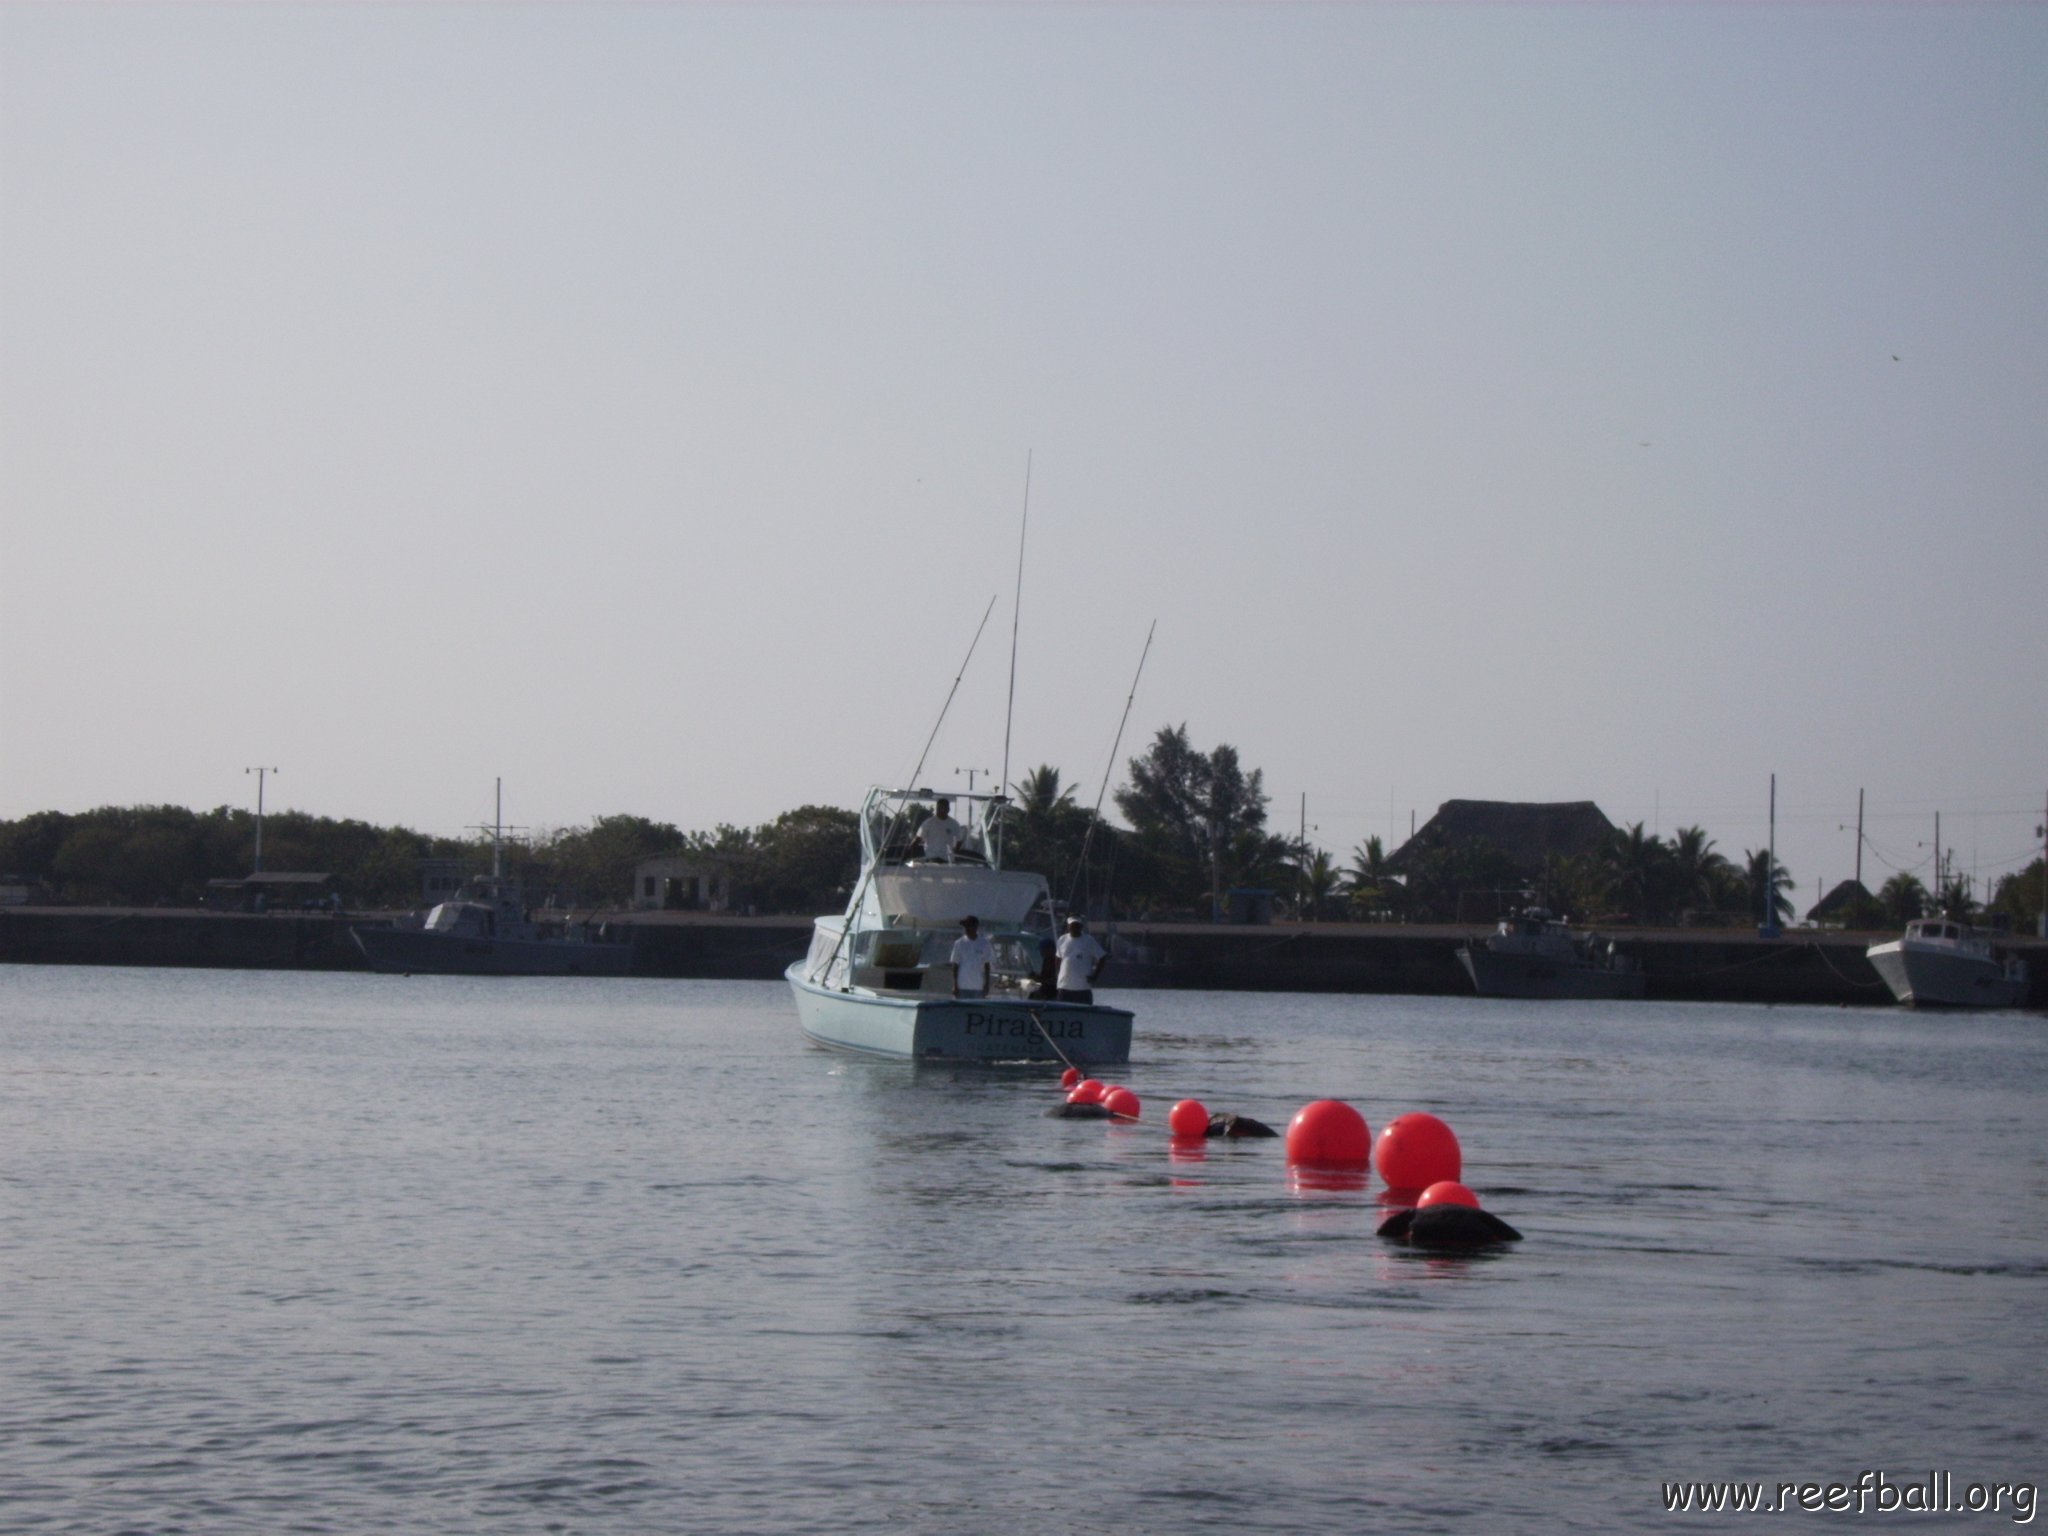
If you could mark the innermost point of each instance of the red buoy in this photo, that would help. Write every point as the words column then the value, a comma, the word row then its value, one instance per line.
column 1086, row 1091
column 1070, row 1077
column 1329, row 1134
column 1188, row 1119
column 1447, row 1192
column 1122, row 1103
column 1415, row 1151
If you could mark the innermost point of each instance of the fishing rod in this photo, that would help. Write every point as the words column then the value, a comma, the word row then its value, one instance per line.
column 1016, row 613
column 911, row 782
column 867, row 875
column 1095, row 819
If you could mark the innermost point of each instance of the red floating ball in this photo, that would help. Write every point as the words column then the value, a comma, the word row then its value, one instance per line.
column 1188, row 1119
column 1415, row 1151
column 1329, row 1134
column 1122, row 1103
column 1447, row 1192
column 1087, row 1091
column 1070, row 1077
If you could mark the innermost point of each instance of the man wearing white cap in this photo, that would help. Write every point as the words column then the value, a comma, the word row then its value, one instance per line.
column 1081, row 960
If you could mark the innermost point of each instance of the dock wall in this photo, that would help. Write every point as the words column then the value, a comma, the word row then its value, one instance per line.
column 1680, row 964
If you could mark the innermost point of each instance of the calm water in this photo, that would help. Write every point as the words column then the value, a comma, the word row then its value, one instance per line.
column 355, row 1254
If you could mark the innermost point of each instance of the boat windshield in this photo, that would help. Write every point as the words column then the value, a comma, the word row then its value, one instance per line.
column 900, row 826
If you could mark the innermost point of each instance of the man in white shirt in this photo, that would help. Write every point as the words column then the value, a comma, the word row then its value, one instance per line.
column 939, row 833
column 1081, row 960
column 972, row 957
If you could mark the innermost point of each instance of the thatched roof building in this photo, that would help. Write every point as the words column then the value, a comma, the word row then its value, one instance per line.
column 1841, row 904
column 1526, row 832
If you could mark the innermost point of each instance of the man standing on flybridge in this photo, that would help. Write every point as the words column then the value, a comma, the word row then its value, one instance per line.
column 1081, row 960
column 972, row 956
column 939, row 833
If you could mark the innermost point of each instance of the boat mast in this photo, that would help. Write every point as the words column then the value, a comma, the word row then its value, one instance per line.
column 498, row 831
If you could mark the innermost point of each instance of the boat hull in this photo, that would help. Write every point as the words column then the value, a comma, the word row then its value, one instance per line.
column 1539, row 976
column 946, row 1029
column 1922, row 978
column 413, row 951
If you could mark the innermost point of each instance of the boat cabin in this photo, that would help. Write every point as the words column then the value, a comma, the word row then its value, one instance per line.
column 919, row 877
column 1947, row 931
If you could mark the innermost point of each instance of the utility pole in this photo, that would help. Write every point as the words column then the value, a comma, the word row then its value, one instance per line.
column 970, row 772
column 1769, row 928
column 2041, row 923
column 261, row 774
column 1859, row 839
column 2042, row 830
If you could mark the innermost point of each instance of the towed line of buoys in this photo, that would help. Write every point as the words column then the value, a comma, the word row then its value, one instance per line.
column 1330, row 1147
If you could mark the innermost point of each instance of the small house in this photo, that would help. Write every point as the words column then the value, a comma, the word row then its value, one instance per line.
column 682, row 882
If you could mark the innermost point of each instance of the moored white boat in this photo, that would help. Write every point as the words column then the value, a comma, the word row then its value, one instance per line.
column 879, row 978
column 1941, row 963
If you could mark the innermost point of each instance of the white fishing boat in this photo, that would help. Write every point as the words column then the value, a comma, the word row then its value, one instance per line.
column 1941, row 963
column 879, row 978
column 1536, row 955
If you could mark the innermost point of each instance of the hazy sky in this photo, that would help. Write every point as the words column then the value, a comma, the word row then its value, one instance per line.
column 1519, row 402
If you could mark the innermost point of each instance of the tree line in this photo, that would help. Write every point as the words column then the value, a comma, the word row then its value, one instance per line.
column 165, row 855
column 1194, row 829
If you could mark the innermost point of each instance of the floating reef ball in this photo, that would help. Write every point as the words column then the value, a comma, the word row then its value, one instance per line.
column 1447, row 1192
column 1189, row 1118
column 1415, row 1151
column 1070, row 1077
column 1329, row 1134
column 1086, row 1091
column 1122, row 1103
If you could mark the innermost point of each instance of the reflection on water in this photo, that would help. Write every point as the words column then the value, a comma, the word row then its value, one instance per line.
column 353, row 1253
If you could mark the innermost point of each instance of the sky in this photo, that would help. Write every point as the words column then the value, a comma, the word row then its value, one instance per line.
column 642, row 404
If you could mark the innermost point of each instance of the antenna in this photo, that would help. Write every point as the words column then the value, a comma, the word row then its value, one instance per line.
column 261, row 774
column 1016, row 613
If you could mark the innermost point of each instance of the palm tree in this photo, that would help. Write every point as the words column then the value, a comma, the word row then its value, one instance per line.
column 1755, row 861
column 1640, row 863
column 1903, row 898
column 1320, row 882
column 1369, row 885
column 1697, row 870
column 1041, row 792
column 1958, row 898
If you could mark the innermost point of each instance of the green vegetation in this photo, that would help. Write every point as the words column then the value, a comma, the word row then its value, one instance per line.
column 164, row 855
column 1196, row 829
column 2018, row 897
column 155, row 855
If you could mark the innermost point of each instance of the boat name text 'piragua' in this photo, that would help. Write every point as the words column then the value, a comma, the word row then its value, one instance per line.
column 997, row 1025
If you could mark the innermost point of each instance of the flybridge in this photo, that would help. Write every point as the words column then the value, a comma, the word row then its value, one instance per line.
column 891, row 818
